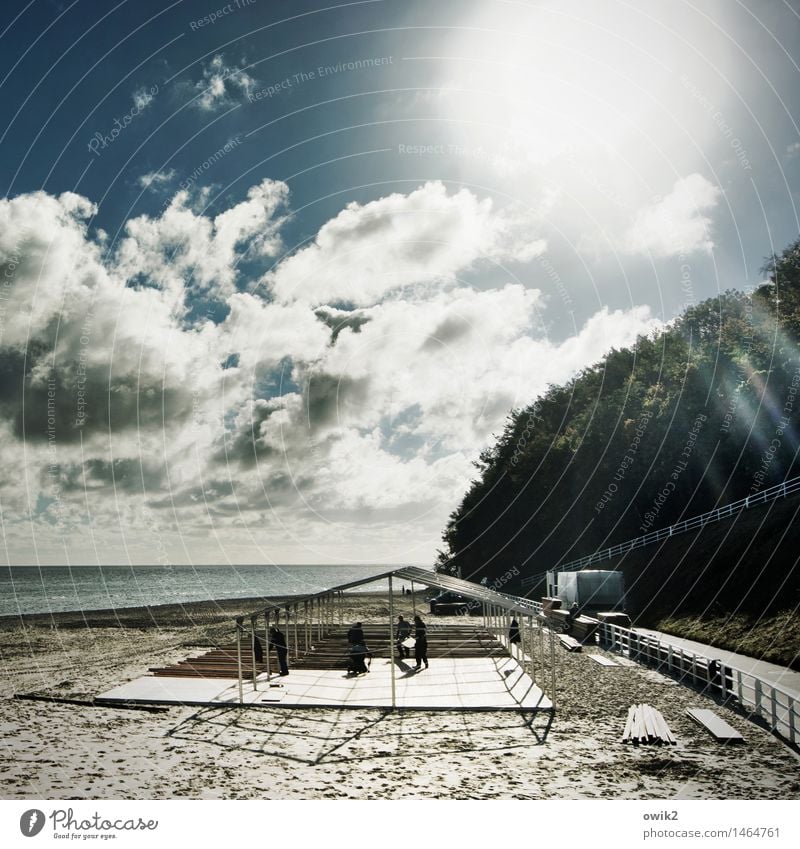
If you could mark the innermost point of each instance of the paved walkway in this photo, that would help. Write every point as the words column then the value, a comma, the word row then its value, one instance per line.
column 779, row 676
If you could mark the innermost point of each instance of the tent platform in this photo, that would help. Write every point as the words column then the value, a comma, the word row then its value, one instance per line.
column 475, row 683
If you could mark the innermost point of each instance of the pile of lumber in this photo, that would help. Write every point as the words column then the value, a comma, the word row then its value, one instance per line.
column 646, row 725
column 550, row 604
column 613, row 617
column 583, row 628
column 569, row 643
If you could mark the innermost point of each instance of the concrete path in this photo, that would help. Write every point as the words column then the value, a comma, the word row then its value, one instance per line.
column 779, row 676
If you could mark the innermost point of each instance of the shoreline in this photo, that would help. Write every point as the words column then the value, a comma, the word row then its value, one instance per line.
column 169, row 613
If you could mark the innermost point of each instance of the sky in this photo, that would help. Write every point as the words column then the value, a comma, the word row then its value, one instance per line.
column 275, row 273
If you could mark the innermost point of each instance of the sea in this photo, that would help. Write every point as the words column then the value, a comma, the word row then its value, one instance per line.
column 58, row 589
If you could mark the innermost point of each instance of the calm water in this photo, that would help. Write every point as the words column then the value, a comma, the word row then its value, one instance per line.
column 30, row 589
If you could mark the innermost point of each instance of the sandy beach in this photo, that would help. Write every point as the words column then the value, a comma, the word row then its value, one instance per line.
column 72, row 751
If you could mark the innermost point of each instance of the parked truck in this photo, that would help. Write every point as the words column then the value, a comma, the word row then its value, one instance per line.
column 593, row 590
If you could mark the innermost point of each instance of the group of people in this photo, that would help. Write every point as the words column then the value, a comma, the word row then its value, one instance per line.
column 359, row 654
column 403, row 635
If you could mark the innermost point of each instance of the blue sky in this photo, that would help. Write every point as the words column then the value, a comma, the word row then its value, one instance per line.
column 278, row 271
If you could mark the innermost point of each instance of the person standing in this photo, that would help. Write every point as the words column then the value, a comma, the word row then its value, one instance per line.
column 258, row 651
column 355, row 636
column 277, row 641
column 513, row 632
column 403, row 631
column 421, row 645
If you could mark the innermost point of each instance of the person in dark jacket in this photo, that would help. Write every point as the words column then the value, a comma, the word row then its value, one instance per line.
column 421, row 646
column 358, row 656
column 355, row 636
column 277, row 641
column 572, row 615
column 513, row 632
column 258, row 651
column 403, row 631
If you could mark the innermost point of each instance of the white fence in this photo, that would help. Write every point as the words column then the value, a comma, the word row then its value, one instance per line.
column 781, row 490
column 777, row 708
column 759, row 698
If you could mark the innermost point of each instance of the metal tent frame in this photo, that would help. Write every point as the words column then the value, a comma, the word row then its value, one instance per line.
column 322, row 610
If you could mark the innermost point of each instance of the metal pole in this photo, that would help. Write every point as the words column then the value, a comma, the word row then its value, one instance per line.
column 553, row 666
column 413, row 599
column 319, row 618
column 391, row 641
column 266, row 639
column 341, row 607
column 288, row 641
column 296, row 640
column 541, row 647
column 253, row 651
column 305, row 625
column 239, row 656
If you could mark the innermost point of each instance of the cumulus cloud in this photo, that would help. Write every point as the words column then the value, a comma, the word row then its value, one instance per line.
column 221, row 85
column 184, row 250
column 678, row 223
column 292, row 412
column 427, row 236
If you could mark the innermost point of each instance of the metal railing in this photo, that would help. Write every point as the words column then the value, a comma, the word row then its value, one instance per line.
column 779, row 709
column 780, row 490
column 760, row 699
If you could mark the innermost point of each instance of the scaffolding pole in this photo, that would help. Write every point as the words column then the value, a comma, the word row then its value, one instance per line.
column 266, row 639
column 391, row 642
column 253, row 623
column 296, row 640
column 239, row 621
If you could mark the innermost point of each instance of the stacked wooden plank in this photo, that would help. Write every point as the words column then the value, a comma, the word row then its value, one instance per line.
column 550, row 604
column 646, row 725
column 331, row 652
column 583, row 628
column 569, row 643
column 613, row 617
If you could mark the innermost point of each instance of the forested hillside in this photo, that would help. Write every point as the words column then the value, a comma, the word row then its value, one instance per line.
column 692, row 418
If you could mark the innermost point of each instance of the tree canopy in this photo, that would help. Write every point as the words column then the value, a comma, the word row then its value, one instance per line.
column 686, row 420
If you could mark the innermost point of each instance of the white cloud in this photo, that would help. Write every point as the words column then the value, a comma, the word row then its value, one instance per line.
column 351, row 427
column 183, row 250
column 157, row 180
column 222, row 85
column 427, row 236
column 143, row 97
column 678, row 223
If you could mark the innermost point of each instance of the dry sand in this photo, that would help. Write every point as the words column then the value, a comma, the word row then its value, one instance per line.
column 64, row 751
